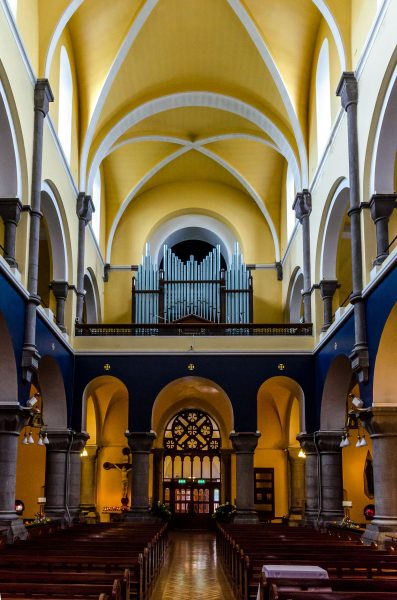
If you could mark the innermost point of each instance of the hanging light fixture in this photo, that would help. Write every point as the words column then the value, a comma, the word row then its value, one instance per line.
column 30, row 438
column 45, row 439
column 25, row 438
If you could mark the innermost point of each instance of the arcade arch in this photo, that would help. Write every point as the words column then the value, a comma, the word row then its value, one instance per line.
column 294, row 298
column 384, row 387
column 91, row 309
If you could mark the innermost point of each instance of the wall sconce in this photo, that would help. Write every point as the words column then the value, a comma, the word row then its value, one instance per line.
column 353, row 422
column 35, row 422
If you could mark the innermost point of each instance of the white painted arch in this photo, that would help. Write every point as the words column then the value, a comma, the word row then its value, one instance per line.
column 332, row 227
column 294, row 298
column 56, row 231
column 10, row 167
column 92, row 299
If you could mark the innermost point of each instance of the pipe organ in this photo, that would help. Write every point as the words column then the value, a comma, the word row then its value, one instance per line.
column 200, row 291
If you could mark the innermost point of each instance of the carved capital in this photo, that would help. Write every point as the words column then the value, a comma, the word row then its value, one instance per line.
column 84, row 207
column 328, row 442
column 59, row 440
column 382, row 205
column 302, row 205
column 359, row 360
column 60, row 289
column 79, row 441
column 306, row 441
column 380, row 421
column 328, row 288
column 13, row 418
column 141, row 441
column 245, row 442
column 10, row 210
column 347, row 89
column 42, row 96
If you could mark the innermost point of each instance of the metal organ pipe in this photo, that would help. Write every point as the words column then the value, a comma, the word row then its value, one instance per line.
column 191, row 288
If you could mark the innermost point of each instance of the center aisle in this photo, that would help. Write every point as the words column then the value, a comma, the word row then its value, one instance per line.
column 192, row 570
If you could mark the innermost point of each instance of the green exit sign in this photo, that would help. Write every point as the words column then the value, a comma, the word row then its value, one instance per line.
column 181, row 480
column 200, row 480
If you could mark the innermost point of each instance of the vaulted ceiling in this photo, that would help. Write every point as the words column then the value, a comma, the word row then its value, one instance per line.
column 172, row 90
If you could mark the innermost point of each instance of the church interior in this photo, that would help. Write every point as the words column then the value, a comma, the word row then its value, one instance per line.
column 198, row 282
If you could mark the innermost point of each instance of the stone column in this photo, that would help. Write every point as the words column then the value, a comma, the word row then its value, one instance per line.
column 330, row 476
column 88, row 479
column 244, row 444
column 381, row 206
column 10, row 212
column 303, row 207
column 327, row 290
column 382, row 427
column 78, row 442
column 158, row 454
column 296, row 483
column 226, row 475
column 84, row 210
column 306, row 441
column 12, row 419
column 140, row 443
column 30, row 356
column 60, row 290
column 348, row 92
column 56, row 473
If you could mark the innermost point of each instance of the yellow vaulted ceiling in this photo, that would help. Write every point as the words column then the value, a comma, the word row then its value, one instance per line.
column 191, row 91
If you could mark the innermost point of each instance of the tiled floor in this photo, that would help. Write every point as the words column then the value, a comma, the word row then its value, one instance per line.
column 192, row 570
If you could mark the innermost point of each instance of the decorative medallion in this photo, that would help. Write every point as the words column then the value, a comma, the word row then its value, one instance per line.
column 106, row 367
column 191, row 367
column 281, row 366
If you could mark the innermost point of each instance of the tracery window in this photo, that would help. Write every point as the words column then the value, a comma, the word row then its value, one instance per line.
column 192, row 429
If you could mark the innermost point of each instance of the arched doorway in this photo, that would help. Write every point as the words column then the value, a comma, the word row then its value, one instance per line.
column 192, row 458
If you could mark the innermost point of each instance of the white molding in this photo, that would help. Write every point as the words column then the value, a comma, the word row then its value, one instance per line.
column 195, row 99
column 332, row 226
column 130, row 38
column 371, row 38
column 56, row 231
column 324, row 156
column 63, row 21
column 14, row 138
column 333, row 26
column 63, row 158
column 18, row 40
column 267, row 58
column 290, row 241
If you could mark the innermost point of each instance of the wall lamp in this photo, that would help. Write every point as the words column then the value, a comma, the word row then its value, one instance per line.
column 353, row 422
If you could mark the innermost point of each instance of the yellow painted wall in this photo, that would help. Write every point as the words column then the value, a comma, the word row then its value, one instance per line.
column 276, row 459
column 353, row 463
column 30, row 481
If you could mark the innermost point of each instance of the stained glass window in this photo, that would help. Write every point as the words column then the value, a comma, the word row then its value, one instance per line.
column 192, row 429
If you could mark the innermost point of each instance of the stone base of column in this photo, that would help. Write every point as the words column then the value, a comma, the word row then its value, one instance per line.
column 245, row 517
column 295, row 520
column 379, row 532
column 330, row 516
column 310, row 520
column 13, row 529
column 59, row 516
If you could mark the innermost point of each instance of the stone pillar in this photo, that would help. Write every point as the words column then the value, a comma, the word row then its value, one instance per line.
column 226, row 475
column 158, row 454
column 330, row 476
column 296, row 484
column 84, row 210
column 10, row 212
column 12, row 419
column 327, row 290
column 348, row 92
column 88, row 479
column 140, row 443
column 244, row 444
column 60, row 290
column 306, row 441
column 382, row 427
column 56, row 473
column 30, row 356
column 381, row 206
column 303, row 207
column 78, row 442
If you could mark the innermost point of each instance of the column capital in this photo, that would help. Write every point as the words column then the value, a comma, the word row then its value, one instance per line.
column 244, row 442
column 140, row 441
column 80, row 439
column 43, row 96
column 84, row 207
column 306, row 441
column 347, row 89
column 380, row 421
column 328, row 442
column 302, row 205
column 359, row 358
column 13, row 418
column 60, row 289
column 10, row 209
column 382, row 205
column 328, row 287
column 59, row 440
column 293, row 453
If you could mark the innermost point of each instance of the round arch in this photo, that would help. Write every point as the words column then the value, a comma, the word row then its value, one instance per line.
column 194, row 227
column 104, row 391
column 91, row 299
column 11, row 155
column 338, row 206
column 60, row 245
column 8, row 368
column 294, row 296
column 384, row 388
column 338, row 384
column 52, row 391
column 193, row 392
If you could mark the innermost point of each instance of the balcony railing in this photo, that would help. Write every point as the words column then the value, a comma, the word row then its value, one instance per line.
column 196, row 329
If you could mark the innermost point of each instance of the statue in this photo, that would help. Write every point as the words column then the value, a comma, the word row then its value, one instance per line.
column 124, row 468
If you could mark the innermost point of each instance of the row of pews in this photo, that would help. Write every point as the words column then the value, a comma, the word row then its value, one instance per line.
column 117, row 561
column 353, row 571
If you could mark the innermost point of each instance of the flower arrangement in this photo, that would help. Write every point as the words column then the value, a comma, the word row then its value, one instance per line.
column 224, row 513
column 161, row 511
